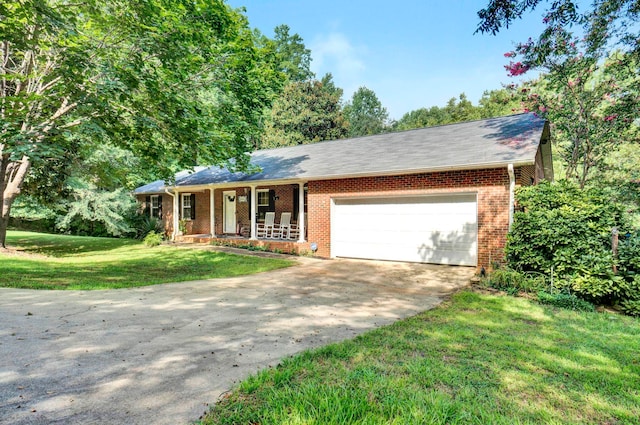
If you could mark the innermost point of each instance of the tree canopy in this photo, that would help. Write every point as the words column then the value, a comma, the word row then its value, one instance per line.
column 306, row 112
column 174, row 82
column 365, row 113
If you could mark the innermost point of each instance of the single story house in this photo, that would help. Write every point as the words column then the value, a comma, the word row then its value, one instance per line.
column 440, row 195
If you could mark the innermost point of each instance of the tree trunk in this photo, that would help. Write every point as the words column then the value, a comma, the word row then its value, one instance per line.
column 12, row 175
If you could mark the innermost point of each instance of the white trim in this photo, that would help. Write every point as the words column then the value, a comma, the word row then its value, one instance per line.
column 512, row 188
column 254, row 212
column 176, row 213
column 212, row 212
column 258, row 192
column 183, row 196
column 225, row 194
column 301, row 217
column 158, row 207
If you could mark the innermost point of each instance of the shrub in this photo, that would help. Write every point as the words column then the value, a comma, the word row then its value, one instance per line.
column 565, row 233
column 143, row 225
column 631, row 307
column 512, row 281
column 152, row 239
column 568, row 301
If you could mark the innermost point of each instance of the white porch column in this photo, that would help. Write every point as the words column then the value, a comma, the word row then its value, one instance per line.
column 254, row 211
column 212, row 213
column 176, row 212
column 301, row 212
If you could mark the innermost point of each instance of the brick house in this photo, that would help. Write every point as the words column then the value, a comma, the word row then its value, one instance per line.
column 437, row 195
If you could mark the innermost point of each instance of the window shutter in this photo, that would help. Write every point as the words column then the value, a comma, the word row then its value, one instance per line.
column 179, row 206
column 272, row 200
column 296, row 202
column 159, row 206
column 147, row 205
column 193, row 206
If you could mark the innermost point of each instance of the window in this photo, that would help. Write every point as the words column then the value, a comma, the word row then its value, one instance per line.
column 263, row 198
column 155, row 207
column 266, row 202
column 188, row 206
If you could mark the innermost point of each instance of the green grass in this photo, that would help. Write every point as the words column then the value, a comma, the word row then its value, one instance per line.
column 477, row 359
column 77, row 262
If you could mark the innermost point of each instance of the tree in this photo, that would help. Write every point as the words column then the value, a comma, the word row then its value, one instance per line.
column 606, row 25
column 290, row 55
column 456, row 110
column 589, row 91
column 583, row 101
column 498, row 103
column 175, row 82
column 365, row 113
column 305, row 113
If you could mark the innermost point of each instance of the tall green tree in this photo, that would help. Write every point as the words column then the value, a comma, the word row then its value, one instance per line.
column 365, row 113
column 306, row 112
column 175, row 82
column 288, row 53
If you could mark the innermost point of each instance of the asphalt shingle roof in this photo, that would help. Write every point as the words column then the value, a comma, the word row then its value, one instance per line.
column 479, row 144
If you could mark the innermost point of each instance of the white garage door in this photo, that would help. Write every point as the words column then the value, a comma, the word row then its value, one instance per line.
column 441, row 229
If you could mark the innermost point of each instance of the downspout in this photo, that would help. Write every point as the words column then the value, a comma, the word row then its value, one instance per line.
column 174, row 215
column 512, row 189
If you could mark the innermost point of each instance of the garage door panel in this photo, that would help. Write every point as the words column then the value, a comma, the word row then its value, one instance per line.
column 434, row 229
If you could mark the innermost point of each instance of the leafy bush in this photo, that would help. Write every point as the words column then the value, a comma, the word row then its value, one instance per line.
column 94, row 212
column 568, row 301
column 142, row 225
column 631, row 307
column 152, row 239
column 565, row 233
column 513, row 281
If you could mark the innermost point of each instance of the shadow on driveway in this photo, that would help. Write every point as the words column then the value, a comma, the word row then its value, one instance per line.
column 159, row 354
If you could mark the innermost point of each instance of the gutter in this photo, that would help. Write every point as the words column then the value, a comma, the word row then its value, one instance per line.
column 512, row 188
column 175, row 215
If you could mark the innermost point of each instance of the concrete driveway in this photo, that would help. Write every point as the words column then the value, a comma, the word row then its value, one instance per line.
column 159, row 354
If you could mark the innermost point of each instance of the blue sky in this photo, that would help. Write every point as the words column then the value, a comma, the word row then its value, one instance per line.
column 411, row 53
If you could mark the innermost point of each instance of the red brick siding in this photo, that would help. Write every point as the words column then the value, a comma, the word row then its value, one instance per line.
column 491, row 186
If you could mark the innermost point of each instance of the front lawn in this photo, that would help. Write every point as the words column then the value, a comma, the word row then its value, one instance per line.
column 78, row 262
column 477, row 359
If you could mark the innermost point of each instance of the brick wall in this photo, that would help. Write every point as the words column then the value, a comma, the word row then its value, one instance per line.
column 491, row 186
column 283, row 203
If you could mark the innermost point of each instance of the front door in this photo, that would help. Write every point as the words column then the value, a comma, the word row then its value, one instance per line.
column 229, row 219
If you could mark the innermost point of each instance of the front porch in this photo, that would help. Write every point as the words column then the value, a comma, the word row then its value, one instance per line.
column 284, row 246
column 256, row 215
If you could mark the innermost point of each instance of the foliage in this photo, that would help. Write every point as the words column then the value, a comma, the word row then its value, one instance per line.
column 476, row 359
column 88, row 263
column 606, row 24
column 587, row 102
column 494, row 103
column 568, row 301
column 306, row 112
column 173, row 82
column 565, row 233
column 512, row 281
column 292, row 56
column 591, row 86
column 97, row 213
column 142, row 224
column 152, row 239
column 365, row 113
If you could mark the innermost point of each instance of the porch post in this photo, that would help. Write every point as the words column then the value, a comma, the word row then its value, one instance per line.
column 212, row 213
column 254, row 211
column 176, row 212
column 301, row 211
